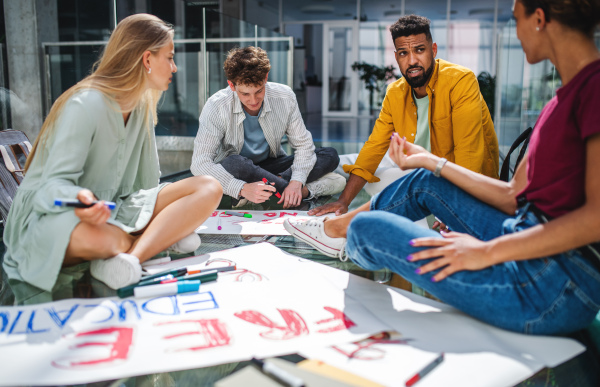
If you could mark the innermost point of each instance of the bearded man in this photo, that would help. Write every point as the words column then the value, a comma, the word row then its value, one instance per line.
column 436, row 104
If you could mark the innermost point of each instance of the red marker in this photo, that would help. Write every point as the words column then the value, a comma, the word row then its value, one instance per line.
column 267, row 182
column 428, row 368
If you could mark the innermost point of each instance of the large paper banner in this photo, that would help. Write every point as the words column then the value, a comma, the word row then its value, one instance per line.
column 261, row 223
column 258, row 310
column 476, row 354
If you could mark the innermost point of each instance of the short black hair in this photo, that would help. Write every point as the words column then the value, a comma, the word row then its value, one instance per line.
column 411, row 25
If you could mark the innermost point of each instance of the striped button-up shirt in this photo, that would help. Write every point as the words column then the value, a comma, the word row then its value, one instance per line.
column 221, row 134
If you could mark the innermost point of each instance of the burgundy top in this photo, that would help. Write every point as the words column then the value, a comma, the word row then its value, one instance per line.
column 557, row 152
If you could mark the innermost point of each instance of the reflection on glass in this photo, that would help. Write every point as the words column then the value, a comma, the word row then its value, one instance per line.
column 340, row 51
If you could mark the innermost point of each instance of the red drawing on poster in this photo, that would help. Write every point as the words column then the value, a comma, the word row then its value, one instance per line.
column 294, row 324
column 343, row 321
column 367, row 350
column 212, row 331
column 118, row 349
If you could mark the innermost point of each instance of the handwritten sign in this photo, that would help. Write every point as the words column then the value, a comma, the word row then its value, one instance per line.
column 261, row 223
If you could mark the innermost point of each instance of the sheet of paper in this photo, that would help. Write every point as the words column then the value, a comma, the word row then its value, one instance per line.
column 261, row 223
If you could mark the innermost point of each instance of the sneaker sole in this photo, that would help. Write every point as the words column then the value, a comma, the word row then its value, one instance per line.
column 323, row 248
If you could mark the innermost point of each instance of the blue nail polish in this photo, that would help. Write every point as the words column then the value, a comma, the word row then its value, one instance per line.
column 409, row 257
column 418, row 271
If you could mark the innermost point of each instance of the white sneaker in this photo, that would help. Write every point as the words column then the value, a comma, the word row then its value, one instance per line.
column 330, row 184
column 312, row 231
column 121, row 270
column 188, row 244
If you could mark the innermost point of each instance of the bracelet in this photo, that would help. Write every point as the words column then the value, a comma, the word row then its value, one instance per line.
column 439, row 166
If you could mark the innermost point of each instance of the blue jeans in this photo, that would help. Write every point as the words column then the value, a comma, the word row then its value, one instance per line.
column 244, row 169
column 550, row 295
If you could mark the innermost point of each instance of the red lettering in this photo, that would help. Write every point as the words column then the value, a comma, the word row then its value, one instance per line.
column 213, row 332
column 283, row 213
column 294, row 324
column 270, row 214
column 338, row 316
column 118, row 349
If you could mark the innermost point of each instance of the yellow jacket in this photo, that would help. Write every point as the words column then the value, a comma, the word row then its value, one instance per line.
column 460, row 126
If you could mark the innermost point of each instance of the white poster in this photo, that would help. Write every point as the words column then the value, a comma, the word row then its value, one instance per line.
column 260, row 222
column 263, row 309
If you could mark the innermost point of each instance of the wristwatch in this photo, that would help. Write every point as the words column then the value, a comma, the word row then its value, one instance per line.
column 439, row 166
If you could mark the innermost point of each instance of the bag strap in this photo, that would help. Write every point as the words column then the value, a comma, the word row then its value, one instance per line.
column 523, row 137
column 11, row 162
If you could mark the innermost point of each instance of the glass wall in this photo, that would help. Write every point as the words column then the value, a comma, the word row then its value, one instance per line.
column 201, row 44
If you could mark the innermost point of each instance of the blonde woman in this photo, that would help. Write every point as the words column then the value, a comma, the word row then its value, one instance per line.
column 98, row 143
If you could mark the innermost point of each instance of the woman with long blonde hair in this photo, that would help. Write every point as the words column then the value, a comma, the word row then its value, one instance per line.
column 98, row 143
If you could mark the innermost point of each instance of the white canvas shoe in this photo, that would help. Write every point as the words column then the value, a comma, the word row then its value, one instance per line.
column 330, row 184
column 121, row 270
column 188, row 244
column 312, row 231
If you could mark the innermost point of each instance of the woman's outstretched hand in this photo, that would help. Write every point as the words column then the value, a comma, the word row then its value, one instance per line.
column 454, row 252
column 407, row 155
column 96, row 214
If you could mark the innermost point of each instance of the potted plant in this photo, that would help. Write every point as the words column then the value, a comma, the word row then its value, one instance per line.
column 375, row 78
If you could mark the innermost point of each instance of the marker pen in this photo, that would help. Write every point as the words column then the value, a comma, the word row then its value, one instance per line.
column 77, row 204
column 193, row 269
column 427, row 369
column 174, row 272
column 267, row 182
column 219, row 224
column 169, row 289
column 240, row 214
column 128, row 291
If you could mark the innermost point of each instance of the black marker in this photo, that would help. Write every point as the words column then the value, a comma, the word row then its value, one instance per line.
column 77, row 204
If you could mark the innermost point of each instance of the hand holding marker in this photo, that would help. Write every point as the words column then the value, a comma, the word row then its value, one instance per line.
column 78, row 204
column 267, row 182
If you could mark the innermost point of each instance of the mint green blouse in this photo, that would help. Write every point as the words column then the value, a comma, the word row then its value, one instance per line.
column 90, row 147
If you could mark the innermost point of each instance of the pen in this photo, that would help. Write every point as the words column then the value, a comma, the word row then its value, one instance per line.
column 193, row 269
column 77, row 204
column 238, row 214
column 428, row 368
column 174, row 272
column 128, row 291
column 278, row 373
column 169, row 289
column 219, row 224
column 267, row 182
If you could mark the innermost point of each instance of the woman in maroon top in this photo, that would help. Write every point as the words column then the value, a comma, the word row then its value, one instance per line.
column 520, row 254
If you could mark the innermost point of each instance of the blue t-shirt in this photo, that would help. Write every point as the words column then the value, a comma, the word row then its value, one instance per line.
column 256, row 147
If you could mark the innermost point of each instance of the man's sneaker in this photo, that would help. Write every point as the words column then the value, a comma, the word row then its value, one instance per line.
column 237, row 203
column 189, row 244
column 121, row 270
column 312, row 231
column 330, row 184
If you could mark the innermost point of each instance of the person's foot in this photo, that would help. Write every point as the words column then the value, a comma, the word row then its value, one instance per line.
column 121, row 270
column 312, row 231
column 330, row 184
column 188, row 244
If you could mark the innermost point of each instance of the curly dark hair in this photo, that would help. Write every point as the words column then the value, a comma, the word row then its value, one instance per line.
column 247, row 66
column 580, row 15
column 411, row 25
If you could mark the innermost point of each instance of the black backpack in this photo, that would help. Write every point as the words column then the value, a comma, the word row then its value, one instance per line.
column 14, row 149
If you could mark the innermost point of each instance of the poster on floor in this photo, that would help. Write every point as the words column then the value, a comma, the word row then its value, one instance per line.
column 253, row 223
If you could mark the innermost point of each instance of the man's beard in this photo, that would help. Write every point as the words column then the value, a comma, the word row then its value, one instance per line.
column 421, row 80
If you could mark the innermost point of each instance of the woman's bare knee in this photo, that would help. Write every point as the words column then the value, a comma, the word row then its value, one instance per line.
column 90, row 242
column 208, row 188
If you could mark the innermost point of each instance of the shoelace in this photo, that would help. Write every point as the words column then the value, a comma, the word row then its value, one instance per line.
column 342, row 253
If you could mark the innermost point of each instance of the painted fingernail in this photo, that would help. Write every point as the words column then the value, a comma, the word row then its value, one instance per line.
column 418, row 271
column 433, row 279
column 409, row 257
column 411, row 242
